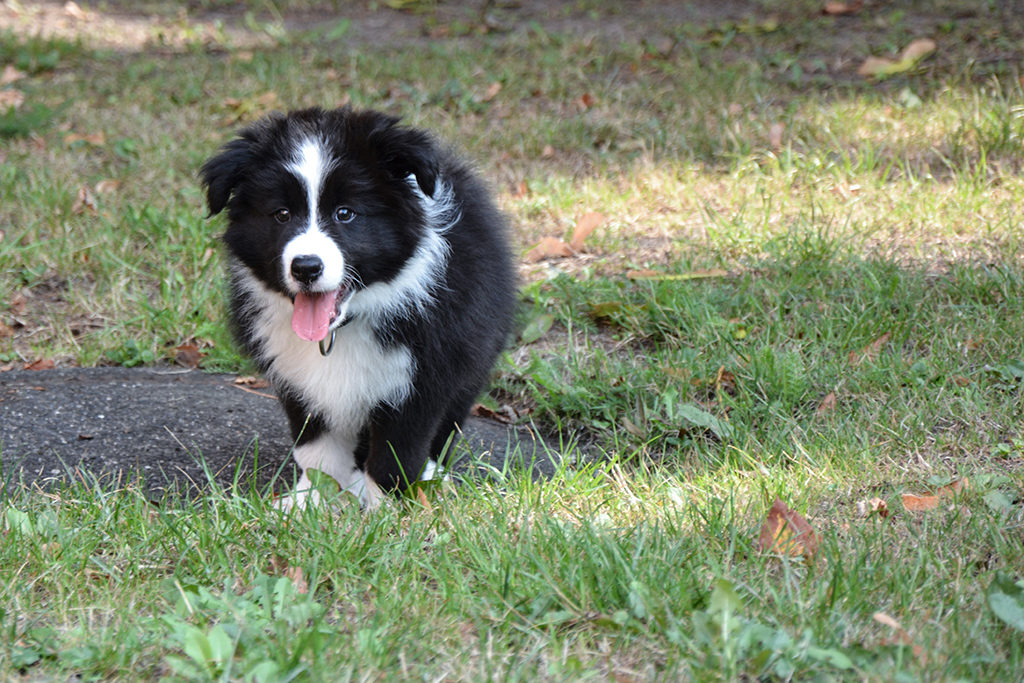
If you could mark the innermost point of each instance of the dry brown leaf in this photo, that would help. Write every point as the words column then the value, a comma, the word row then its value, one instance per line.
column 72, row 10
column 827, row 405
column 842, row 8
column 879, row 67
column 900, row 637
column 587, row 223
column 786, row 532
column 505, row 414
column 492, row 91
column 775, row 132
column 874, row 66
column 11, row 98
column 548, row 247
column 107, row 186
column 915, row 503
column 917, row 50
column 866, row 508
column 94, row 139
column 421, row 498
column 254, row 382
column 11, row 74
column 84, row 202
column 586, row 101
column 871, row 351
column 298, row 579
column 188, row 355
column 41, row 364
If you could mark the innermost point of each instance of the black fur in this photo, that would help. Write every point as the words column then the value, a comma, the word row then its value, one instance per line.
column 453, row 339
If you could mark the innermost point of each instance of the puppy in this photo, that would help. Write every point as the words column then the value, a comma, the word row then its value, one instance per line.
column 371, row 282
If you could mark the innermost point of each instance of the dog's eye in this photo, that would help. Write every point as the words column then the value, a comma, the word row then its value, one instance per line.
column 282, row 215
column 343, row 214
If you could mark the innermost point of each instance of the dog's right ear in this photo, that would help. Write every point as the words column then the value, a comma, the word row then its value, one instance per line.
column 221, row 174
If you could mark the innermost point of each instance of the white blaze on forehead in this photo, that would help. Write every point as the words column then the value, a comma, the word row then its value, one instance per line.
column 311, row 163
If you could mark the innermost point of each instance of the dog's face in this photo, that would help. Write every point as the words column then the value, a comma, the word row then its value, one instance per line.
column 323, row 204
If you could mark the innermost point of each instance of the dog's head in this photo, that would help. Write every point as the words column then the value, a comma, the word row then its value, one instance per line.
column 324, row 204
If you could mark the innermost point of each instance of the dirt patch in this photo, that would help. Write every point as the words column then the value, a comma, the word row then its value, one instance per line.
column 136, row 26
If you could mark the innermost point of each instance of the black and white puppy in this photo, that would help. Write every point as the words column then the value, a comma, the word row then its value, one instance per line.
column 370, row 280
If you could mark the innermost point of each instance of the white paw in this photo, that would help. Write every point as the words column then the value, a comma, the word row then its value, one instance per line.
column 432, row 471
column 367, row 491
column 298, row 499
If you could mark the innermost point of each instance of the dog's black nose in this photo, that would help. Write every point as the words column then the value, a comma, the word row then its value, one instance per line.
column 307, row 268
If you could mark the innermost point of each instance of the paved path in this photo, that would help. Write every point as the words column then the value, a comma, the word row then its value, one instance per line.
column 164, row 424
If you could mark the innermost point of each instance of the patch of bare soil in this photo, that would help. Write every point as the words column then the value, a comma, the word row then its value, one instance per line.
column 135, row 26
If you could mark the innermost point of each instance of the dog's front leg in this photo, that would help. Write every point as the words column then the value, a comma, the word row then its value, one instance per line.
column 329, row 454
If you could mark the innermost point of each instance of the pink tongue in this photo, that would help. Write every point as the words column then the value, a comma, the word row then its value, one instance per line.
column 311, row 317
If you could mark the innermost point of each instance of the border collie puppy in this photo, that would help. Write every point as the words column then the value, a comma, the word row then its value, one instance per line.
column 370, row 280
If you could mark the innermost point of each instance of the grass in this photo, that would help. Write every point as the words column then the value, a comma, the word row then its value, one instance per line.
column 807, row 286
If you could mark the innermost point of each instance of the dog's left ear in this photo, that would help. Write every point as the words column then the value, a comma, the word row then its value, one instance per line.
column 222, row 173
column 410, row 152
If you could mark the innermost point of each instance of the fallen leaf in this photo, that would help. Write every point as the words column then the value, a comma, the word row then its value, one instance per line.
column 72, row 10
column 11, row 74
column 94, row 139
column 915, row 503
column 586, row 101
column 548, row 247
column 547, row 152
column 871, row 351
column 901, row 637
column 587, row 223
column 421, row 498
column 880, row 67
column 250, row 381
column 188, row 355
column 522, row 190
column 505, row 414
column 918, row 50
column 107, row 186
column 842, row 8
column 40, row 364
column 866, row 508
column 298, row 579
column 827, row 405
column 84, row 202
column 11, row 98
column 775, row 132
column 786, row 532
column 492, row 91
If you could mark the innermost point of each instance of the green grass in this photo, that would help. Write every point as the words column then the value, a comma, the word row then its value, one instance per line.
column 825, row 315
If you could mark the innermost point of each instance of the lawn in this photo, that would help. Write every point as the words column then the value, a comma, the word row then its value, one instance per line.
column 805, row 283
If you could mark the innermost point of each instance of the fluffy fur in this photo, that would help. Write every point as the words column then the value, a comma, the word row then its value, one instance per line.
column 345, row 223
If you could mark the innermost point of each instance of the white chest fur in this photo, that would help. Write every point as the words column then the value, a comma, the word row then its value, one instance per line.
column 342, row 387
